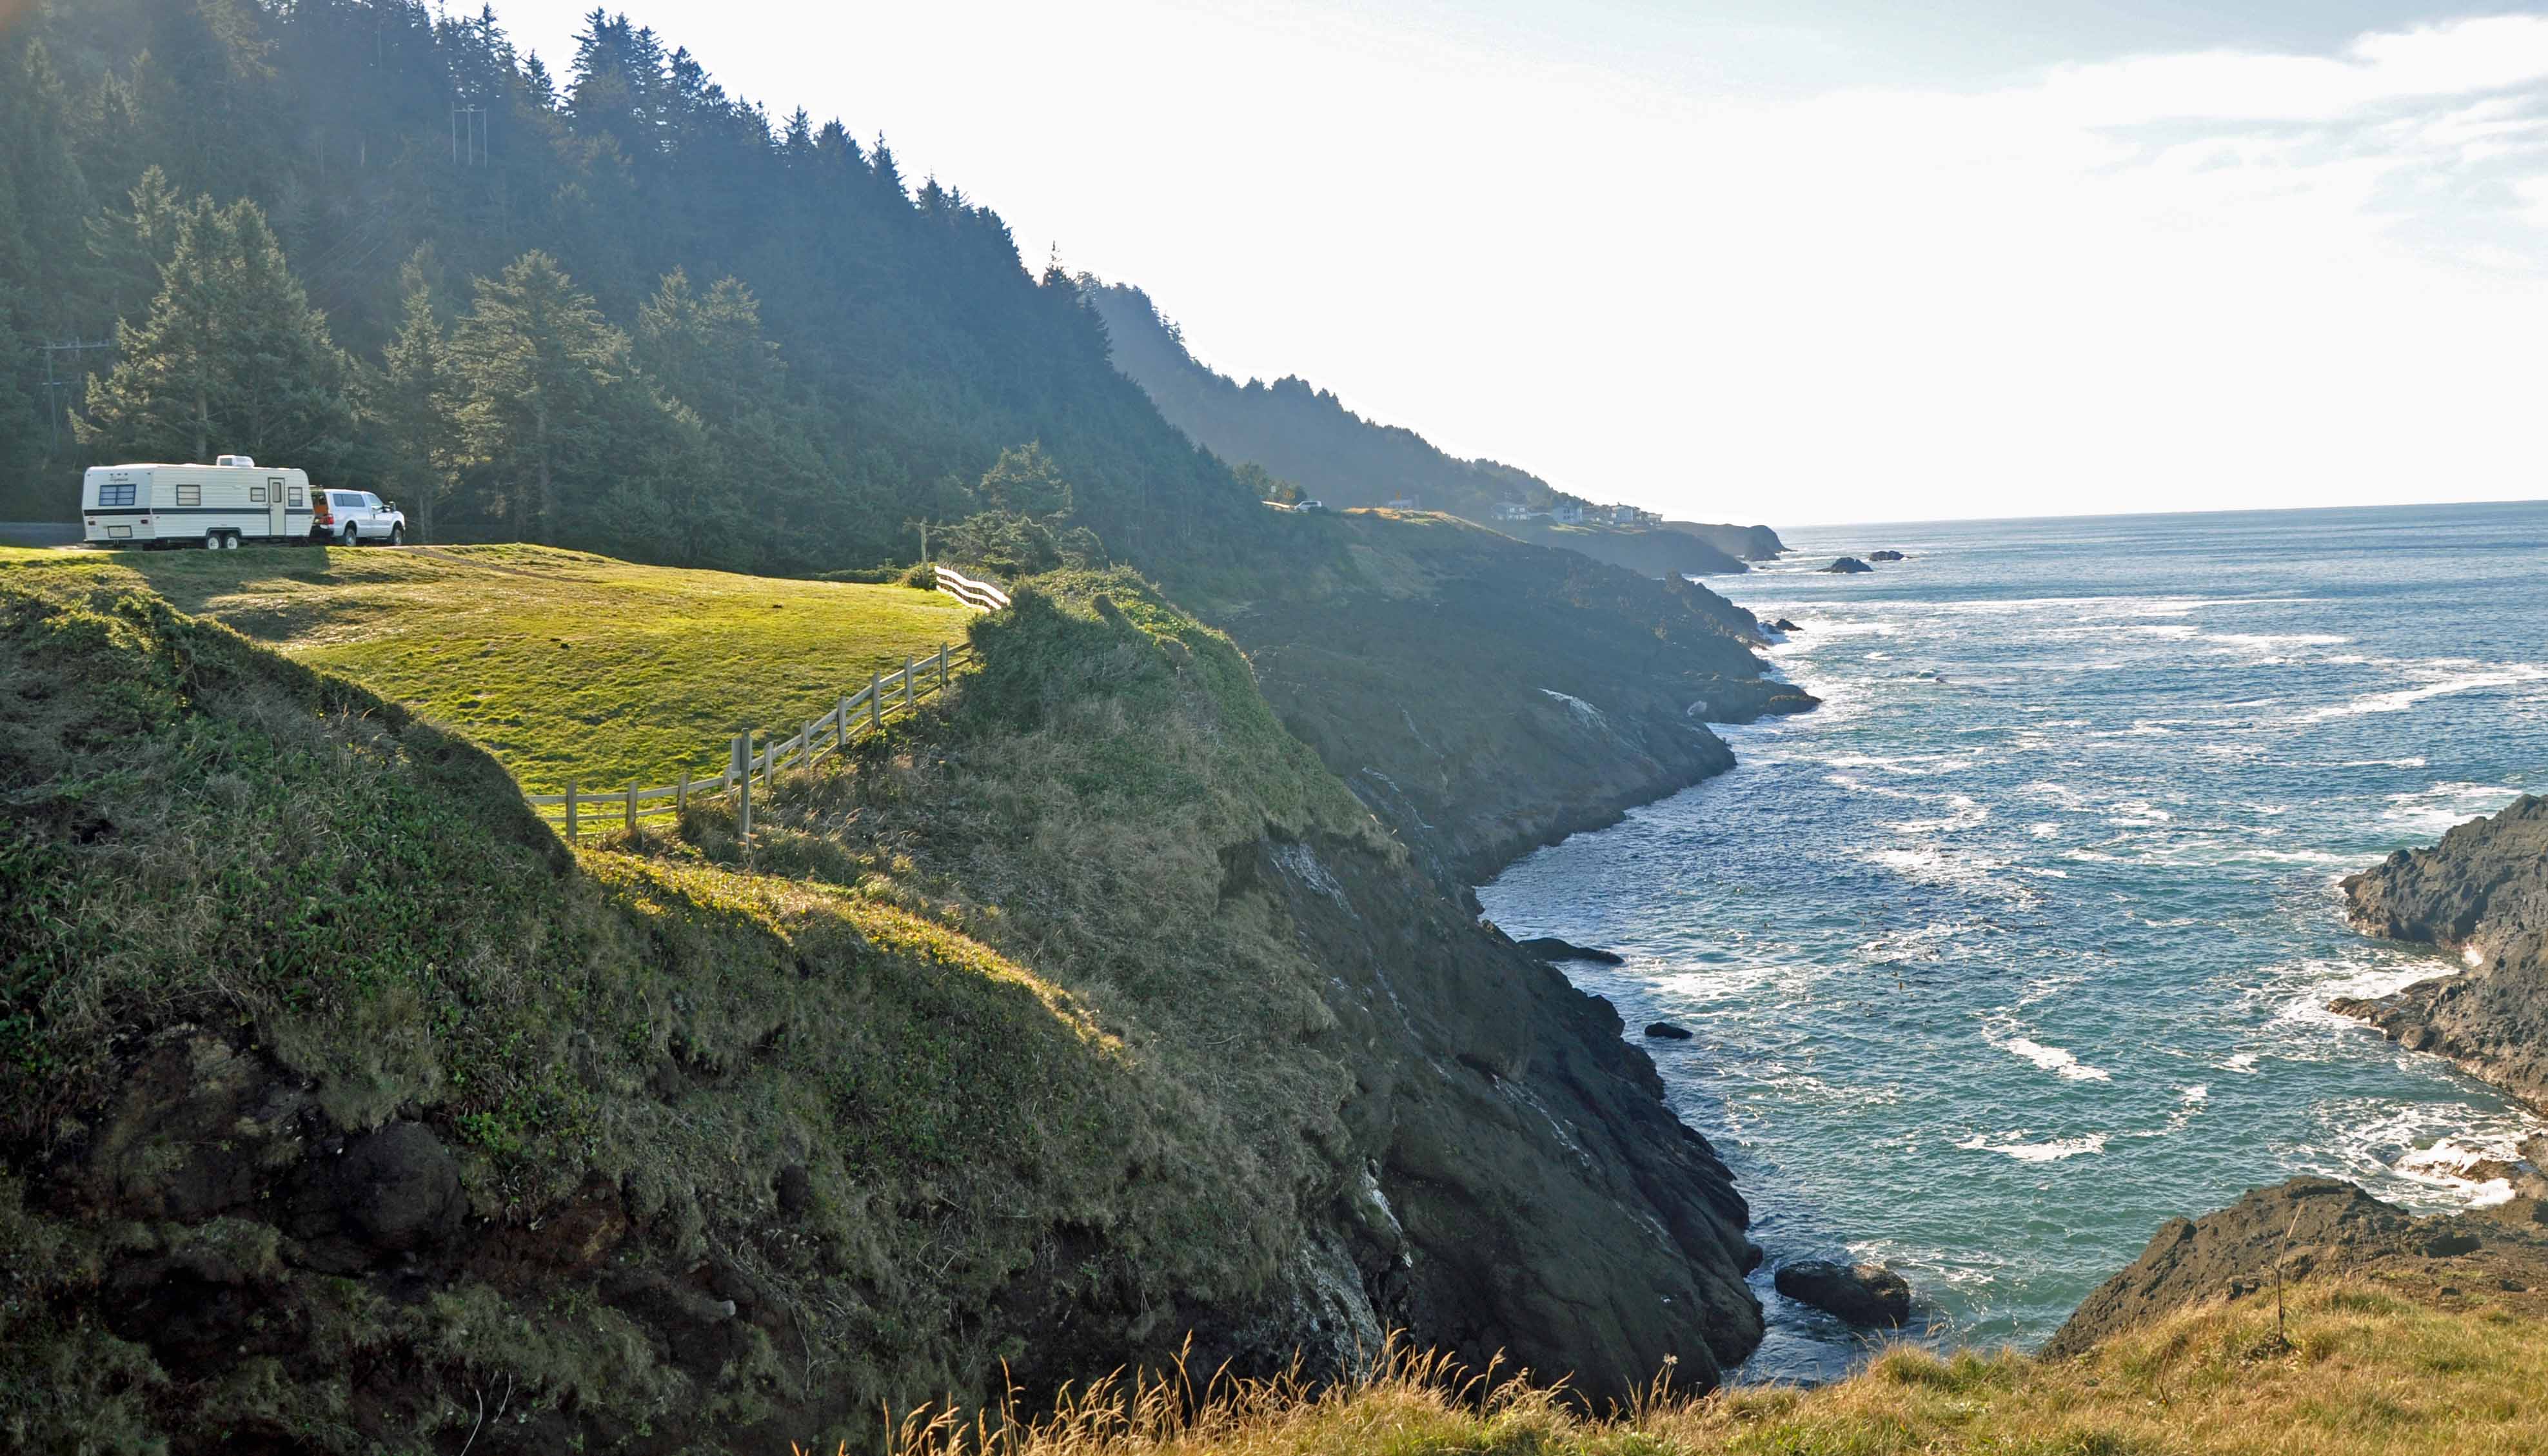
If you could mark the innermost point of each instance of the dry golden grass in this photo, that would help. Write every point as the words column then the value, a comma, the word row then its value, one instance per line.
column 2365, row 1373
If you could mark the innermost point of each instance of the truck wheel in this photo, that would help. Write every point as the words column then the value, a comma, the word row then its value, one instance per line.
column 352, row 537
column 397, row 535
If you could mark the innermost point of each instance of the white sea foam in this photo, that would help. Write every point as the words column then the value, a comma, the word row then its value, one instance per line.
column 2300, row 993
column 2428, row 812
column 1963, row 813
column 2051, row 1151
column 2060, row 1062
column 2400, row 699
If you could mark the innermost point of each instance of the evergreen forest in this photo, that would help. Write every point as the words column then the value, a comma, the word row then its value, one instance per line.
column 611, row 306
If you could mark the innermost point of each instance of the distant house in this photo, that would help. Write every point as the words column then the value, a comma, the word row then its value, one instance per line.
column 1512, row 511
column 1403, row 502
column 1568, row 513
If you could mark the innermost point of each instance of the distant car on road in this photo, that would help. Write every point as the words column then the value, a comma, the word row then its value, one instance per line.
column 1311, row 506
column 352, row 517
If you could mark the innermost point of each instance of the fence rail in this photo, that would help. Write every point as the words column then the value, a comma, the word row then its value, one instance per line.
column 979, row 595
column 861, row 714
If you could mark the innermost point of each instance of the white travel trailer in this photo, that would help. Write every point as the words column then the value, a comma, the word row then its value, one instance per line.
column 213, row 506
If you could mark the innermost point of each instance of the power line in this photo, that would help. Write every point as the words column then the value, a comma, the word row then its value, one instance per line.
column 57, row 388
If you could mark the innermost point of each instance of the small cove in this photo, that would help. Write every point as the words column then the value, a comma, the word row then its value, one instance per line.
column 2020, row 943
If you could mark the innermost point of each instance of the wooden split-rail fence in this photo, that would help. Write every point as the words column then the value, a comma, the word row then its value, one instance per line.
column 861, row 714
column 980, row 595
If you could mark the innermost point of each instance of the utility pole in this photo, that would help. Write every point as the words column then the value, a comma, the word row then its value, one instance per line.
column 57, row 388
column 923, row 527
column 469, row 135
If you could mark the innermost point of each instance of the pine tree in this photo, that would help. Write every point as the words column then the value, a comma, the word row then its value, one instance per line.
column 416, row 404
column 537, row 361
column 231, row 354
column 1025, row 481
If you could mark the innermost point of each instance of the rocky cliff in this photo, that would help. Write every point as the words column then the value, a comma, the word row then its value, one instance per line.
column 341, row 1106
column 2312, row 1228
column 2482, row 894
column 1484, row 696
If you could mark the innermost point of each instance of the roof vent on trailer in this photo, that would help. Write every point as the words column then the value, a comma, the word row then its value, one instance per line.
column 247, row 461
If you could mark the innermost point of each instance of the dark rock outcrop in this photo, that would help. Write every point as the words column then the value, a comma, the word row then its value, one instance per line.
column 2307, row 1227
column 1663, row 1031
column 2482, row 894
column 1867, row 1295
column 1550, row 948
column 1751, row 543
column 1886, row 556
column 1784, row 625
column 1847, row 566
column 1523, row 694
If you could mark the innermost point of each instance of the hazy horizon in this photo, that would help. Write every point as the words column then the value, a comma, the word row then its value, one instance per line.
column 1798, row 262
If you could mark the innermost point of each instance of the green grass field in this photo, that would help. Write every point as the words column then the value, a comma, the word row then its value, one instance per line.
column 564, row 666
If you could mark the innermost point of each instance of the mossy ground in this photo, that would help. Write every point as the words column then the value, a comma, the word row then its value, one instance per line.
column 561, row 664
column 2365, row 1371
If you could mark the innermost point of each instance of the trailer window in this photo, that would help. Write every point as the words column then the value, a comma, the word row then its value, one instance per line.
column 115, row 492
column 296, row 495
column 190, row 495
column 257, row 495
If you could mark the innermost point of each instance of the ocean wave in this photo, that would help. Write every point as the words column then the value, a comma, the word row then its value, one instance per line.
column 2429, row 811
column 2425, row 1154
column 2400, row 699
column 2267, row 641
column 2298, row 994
column 2051, row 1151
column 2058, row 1060
column 1963, row 813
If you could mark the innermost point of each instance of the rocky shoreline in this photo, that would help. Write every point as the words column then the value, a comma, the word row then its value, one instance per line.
column 2482, row 894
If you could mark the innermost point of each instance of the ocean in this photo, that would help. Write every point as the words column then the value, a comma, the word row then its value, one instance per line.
column 2020, row 944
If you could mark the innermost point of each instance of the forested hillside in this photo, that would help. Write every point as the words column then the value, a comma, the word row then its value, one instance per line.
column 373, row 238
column 1292, row 434
column 1297, row 431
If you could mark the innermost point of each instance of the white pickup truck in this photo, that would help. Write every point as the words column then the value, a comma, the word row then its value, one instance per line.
column 352, row 517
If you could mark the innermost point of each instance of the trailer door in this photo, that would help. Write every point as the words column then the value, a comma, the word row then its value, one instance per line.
column 275, row 525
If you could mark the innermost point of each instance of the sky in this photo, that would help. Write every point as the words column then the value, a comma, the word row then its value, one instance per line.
column 1803, row 261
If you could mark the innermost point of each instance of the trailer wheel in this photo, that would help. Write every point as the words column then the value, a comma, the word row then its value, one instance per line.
column 231, row 541
column 212, row 540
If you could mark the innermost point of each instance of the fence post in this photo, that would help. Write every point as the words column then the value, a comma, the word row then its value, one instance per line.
column 681, row 797
column 906, row 684
column 841, row 726
column 876, row 702
column 941, row 666
column 812, row 726
column 632, row 808
column 740, row 770
column 570, row 811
